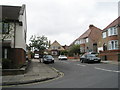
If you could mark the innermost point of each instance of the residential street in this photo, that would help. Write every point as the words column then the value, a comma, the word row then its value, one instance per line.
column 78, row 75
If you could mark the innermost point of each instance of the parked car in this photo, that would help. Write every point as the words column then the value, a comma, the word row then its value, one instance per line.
column 89, row 58
column 36, row 56
column 48, row 59
column 62, row 57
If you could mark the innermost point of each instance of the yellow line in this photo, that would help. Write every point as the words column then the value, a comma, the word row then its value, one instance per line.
column 61, row 75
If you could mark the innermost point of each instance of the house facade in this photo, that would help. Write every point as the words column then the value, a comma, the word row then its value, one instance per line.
column 109, row 43
column 88, row 40
column 55, row 48
column 13, row 35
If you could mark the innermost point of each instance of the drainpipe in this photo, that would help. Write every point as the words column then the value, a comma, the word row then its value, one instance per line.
column 14, row 33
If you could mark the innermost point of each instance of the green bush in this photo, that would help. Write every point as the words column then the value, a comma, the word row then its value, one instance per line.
column 6, row 63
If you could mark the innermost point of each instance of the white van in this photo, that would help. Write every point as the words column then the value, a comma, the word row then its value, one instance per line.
column 36, row 56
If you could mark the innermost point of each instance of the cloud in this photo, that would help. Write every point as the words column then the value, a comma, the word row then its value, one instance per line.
column 66, row 20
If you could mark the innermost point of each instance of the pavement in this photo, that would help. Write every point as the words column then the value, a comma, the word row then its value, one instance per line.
column 37, row 72
column 110, row 62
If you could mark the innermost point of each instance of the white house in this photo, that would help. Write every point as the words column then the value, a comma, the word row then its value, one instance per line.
column 14, row 28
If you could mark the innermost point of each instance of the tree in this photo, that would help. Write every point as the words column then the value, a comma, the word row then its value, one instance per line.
column 65, row 52
column 73, row 50
column 38, row 43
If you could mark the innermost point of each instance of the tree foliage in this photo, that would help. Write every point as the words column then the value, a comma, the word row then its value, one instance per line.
column 65, row 52
column 38, row 42
column 74, row 49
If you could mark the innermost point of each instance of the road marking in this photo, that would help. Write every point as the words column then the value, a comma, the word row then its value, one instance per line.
column 107, row 70
column 81, row 65
column 65, row 62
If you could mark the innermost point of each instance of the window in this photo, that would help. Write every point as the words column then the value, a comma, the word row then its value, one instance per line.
column 82, row 41
column 104, row 34
column 59, row 47
column 113, row 44
column 5, row 53
column 77, row 42
column 112, row 31
column 86, row 40
column 5, row 28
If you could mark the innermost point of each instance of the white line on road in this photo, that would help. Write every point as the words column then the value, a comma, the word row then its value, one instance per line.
column 81, row 65
column 107, row 70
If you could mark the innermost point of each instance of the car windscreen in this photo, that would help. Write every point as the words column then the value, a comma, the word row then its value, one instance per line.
column 91, row 55
column 62, row 56
column 48, row 56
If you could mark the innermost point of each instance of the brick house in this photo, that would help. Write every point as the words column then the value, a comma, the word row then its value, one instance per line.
column 109, row 43
column 14, row 29
column 88, row 40
column 55, row 48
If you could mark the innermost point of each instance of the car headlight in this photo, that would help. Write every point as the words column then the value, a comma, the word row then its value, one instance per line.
column 45, row 59
column 52, row 58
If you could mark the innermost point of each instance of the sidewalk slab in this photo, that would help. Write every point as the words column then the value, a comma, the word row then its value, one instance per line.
column 110, row 62
column 36, row 72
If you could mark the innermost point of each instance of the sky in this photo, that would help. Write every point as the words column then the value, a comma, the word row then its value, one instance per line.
column 65, row 20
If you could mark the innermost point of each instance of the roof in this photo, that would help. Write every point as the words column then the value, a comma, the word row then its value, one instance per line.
column 11, row 12
column 55, row 43
column 93, row 32
column 88, row 32
column 114, row 23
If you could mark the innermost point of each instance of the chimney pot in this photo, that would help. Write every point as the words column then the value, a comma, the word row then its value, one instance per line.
column 90, row 26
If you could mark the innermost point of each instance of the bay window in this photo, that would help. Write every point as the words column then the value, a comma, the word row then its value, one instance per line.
column 113, row 44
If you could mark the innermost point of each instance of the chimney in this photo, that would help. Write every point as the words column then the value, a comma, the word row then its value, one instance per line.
column 22, row 9
column 90, row 26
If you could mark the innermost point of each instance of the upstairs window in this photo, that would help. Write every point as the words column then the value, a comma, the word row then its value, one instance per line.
column 59, row 47
column 104, row 34
column 87, row 40
column 5, row 27
column 82, row 41
column 77, row 42
column 113, row 44
column 112, row 31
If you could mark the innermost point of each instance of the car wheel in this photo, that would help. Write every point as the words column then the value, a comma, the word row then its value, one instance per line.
column 99, row 61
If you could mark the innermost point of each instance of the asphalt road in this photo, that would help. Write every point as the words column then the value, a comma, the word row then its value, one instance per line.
column 81, row 75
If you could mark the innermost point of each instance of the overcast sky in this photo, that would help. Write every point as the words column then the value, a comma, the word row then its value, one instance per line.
column 65, row 20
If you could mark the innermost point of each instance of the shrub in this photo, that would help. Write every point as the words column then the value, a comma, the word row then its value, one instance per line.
column 6, row 63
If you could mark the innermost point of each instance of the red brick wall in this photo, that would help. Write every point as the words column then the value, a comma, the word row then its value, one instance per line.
column 17, row 55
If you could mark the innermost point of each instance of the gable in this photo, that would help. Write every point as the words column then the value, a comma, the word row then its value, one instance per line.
column 56, row 45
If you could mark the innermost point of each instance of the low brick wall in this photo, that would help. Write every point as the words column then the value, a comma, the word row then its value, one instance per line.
column 22, row 70
column 73, row 57
column 112, row 55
